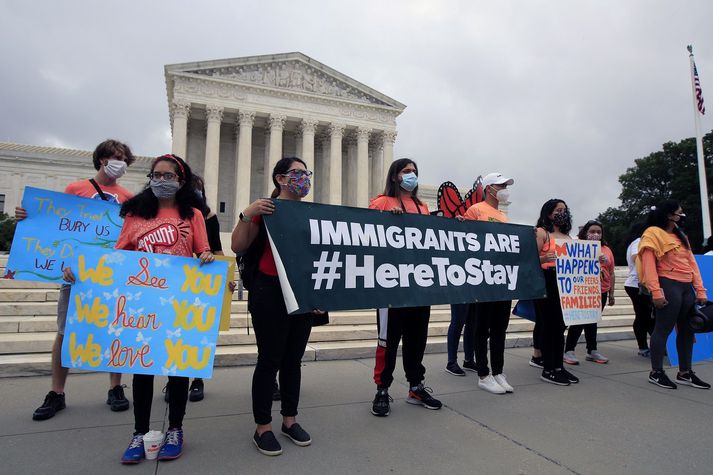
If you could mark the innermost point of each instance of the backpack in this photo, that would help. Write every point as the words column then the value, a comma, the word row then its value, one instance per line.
column 249, row 260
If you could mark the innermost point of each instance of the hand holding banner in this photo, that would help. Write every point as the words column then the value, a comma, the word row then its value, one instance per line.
column 133, row 312
column 56, row 224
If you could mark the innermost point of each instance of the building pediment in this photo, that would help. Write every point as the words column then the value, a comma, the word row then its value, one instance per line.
column 294, row 72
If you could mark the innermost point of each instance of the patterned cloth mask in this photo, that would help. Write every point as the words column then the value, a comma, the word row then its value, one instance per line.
column 164, row 189
column 299, row 183
column 562, row 218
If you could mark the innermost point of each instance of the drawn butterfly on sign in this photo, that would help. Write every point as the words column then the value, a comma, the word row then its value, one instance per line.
column 173, row 334
column 166, row 301
column 77, row 363
column 130, row 296
column 204, row 342
column 115, row 331
column 161, row 262
column 199, row 303
column 136, row 312
column 142, row 339
column 169, row 371
column 85, row 295
column 114, row 294
column 450, row 202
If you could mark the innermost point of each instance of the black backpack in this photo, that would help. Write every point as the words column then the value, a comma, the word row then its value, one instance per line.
column 249, row 260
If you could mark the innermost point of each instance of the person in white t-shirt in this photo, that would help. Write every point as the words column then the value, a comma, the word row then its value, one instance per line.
column 643, row 309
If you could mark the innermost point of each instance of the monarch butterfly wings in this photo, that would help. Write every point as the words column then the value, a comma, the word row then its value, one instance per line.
column 450, row 201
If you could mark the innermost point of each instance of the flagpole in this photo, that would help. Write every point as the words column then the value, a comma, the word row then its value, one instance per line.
column 705, row 212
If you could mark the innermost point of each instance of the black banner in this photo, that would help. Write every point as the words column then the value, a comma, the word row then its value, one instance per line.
column 343, row 258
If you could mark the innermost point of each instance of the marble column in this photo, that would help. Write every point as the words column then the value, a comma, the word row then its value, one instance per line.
column 307, row 128
column 349, row 170
column 377, row 169
column 362, row 168
column 389, row 139
column 214, row 116
column 180, row 112
column 276, row 124
column 335, row 164
column 243, row 159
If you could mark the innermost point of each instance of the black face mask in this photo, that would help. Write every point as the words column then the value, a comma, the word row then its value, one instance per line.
column 562, row 218
column 681, row 223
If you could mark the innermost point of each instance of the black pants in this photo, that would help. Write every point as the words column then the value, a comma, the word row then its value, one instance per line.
column 491, row 322
column 281, row 341
column 644, row 316
column 590, row 332
column 142, row 389
column 411, row 324
column 550, row 323
column 680, row 299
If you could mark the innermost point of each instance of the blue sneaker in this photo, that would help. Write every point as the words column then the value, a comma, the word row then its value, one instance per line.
column 134, row 453
column 172, row 447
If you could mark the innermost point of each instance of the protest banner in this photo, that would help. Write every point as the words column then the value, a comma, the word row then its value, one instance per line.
column 56, row 224
column 703, row 346
column 578, row 280
column 341, row 258
column 133, row 312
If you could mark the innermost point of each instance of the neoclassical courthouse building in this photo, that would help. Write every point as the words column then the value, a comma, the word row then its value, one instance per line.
column 233, row 119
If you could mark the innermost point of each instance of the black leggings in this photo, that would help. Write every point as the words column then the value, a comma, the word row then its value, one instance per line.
column 491, row 323
column 550, row 323
column 590, row 332
column 142, row 389
column 680, row 299
column 281, row 342
column 644, row 319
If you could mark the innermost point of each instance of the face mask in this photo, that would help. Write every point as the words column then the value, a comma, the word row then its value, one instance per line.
column 502, row 195
column 409, row 181
column 298, row 184
column 562, row 218
column 594, row 237
column 115, row 169
column 164, row 189
column 681, row 220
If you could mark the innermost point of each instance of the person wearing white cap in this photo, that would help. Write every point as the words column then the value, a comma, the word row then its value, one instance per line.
column 491, row 318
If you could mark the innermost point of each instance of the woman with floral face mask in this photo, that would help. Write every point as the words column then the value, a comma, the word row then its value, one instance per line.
column 555, row 222
column 409, row 323
column 593, row 231
column 281, row 338
column 167, row 201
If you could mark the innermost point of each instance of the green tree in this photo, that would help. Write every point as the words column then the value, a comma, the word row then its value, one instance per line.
column 7, row 229
column 670, row 173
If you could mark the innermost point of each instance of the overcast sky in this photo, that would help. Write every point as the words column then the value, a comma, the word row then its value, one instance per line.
column 561, row 95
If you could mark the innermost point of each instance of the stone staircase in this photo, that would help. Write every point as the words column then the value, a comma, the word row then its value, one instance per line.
column 28, row 326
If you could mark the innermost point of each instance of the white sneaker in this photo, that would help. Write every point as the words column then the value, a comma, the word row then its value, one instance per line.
column 570, row 358
column 490, row 385
column 500, row 379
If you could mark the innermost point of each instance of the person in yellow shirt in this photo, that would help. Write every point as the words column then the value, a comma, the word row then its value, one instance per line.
column 491, row 318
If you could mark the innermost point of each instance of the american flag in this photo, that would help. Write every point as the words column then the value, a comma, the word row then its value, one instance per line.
column 698, row 90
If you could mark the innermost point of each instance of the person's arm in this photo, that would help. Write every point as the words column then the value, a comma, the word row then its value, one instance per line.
column 542, row 238
column 651, row 277
column 201, row 247
column 245, row 232
column 613, row 283
column 701, row 296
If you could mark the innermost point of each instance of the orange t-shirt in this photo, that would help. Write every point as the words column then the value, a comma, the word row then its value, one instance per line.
column 484, row 212
column 607, row 269
column 677, row 264
column 167, row 233
column 114, row 193
column 547, row 247
column 387, row 203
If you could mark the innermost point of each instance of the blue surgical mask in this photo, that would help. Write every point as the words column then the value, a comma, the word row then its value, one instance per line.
column 409, row 181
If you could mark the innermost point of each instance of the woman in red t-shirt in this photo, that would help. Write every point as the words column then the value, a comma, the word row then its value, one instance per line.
column 165, row 204
column 409, row 323
column 281, row 338
column 593, row 231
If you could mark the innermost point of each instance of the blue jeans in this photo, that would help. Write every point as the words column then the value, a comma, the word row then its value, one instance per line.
column 461, row 315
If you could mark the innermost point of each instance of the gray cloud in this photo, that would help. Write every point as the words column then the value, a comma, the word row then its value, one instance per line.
column 561, row 95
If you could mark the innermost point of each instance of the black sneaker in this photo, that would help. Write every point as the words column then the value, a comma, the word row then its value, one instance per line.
column 195, row 393
column 454, row 369
column 570, row 377
column 116, row 399
column 470, row 366
column 537, row 362
column 165, row 392
column 690, row 379
column 555, row 377
column 53, row 402
column 297, row 435
column 659, row 378
column 421, row 395
column 380, row 406
column 276, row 392
column 267, row 444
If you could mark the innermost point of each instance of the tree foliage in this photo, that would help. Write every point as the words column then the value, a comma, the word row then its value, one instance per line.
column 670, row 173
column 7, row 229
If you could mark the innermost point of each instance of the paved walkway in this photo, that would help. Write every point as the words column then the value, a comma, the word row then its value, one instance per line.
column 614, row 421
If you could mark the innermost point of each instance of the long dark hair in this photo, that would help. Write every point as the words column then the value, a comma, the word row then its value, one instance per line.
column 199, row 186
column 544, row 220
column 393, row 187
column 585, row 229
column 145, row 204
column 282, row 167
column 658, row 216
column 635, row 231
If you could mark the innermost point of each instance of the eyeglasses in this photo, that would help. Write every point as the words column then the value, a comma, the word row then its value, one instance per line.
column 298, row 173
column 165, row 176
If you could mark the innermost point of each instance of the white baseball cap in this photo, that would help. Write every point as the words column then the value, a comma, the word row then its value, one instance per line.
column 496, row 179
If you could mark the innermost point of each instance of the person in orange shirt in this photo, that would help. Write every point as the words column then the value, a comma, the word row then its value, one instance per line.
column 671, row 274
column 110, row 159
column 401, row 196
column 491, row 318
column 593, row 231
